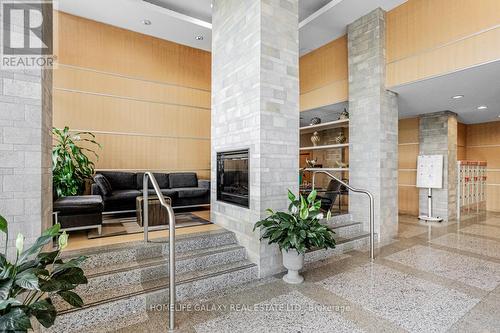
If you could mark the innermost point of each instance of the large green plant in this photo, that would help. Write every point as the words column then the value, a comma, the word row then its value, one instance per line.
column 71, row 167
column 28, row 284
column 300, row 227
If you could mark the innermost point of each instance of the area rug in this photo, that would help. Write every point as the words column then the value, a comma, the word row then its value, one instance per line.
column 125, row 225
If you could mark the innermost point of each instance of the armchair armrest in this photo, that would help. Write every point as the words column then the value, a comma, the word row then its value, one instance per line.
column 204, row 183
column 94, row 190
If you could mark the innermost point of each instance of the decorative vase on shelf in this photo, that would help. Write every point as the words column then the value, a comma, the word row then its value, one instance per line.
column 315, row 139
column 344, row 114
column 315, row 121
column 341, row 137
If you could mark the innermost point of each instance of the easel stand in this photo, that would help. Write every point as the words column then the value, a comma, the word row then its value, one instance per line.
column 429, row 218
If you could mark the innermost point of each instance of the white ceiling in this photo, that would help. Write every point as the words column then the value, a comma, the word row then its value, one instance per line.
column 480, row 85
column 181, row 21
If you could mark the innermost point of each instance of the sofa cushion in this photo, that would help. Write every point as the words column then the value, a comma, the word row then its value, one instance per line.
column 81, row 204
column 123, row 195
column 121, row 180
column 161, row 179
column 184, row 179
column 165, row 192
column 191, row 192
column 103, row 184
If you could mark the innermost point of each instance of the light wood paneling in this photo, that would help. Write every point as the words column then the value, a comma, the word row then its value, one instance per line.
column 89, row 44
column 408, row 138
column 408, row 200
column 426, row 38
column 147, row 100
column 83, row 80
column 483, row 143
column 100, row 113
column 323, row 75
column 461, row 141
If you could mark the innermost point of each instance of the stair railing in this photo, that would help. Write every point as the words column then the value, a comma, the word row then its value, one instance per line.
column 357, row 190
column 171, row 236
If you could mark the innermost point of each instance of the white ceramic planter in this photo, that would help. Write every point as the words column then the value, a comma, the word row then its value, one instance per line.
column 293, row 261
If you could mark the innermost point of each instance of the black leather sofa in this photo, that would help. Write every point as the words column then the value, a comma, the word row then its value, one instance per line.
column 119, row 190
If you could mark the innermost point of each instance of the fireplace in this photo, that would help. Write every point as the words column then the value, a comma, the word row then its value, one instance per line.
column 232, row 177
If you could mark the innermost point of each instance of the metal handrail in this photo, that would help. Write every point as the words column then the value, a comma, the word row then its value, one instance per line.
column 171, row 236
column 372, row 205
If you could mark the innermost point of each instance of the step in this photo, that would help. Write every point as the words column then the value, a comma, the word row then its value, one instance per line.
column 101, row 258
column 156, row 268
column 130, row 304
column 345, row 229
column 353, row 242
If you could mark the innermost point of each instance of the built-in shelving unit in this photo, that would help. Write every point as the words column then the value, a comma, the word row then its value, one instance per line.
column 341, row 145
column 325, row 126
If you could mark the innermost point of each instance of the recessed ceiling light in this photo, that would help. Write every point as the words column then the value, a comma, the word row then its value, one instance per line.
column 458, row 96
column 482, row 107
column 146, row 22
column 199, row 37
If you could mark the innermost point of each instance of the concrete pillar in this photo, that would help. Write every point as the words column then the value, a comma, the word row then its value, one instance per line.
column 438, row 136
column 373, row 126
column 255, row 105
column 25, row 150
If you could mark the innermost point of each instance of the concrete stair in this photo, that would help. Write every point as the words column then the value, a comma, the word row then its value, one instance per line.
column 125, row 281
column 128, row 280
column 349, row 236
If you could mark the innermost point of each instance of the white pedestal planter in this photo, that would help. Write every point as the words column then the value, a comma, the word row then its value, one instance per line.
column 293, row 261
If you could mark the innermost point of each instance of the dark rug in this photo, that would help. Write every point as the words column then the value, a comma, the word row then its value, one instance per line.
column 125, row 225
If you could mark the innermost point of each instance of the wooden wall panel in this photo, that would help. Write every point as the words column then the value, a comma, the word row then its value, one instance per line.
column 88, row 44
column 323, row 75
column 461, row 141
column 408, row 138
column 147, row 100
column 483, row 143
column 426, row 38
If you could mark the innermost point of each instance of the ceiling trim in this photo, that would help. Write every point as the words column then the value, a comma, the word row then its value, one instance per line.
column 319, row 12
column 178, row 15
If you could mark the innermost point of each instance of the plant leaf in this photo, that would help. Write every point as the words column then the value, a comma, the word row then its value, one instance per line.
column 71, row 297
column 44, row 312
column 291, row 196
column 39, row 243
column 3, row 225
column 312, row 196
column 16, row 320
column 11, row 301
column 75, row 262
column 27, row 280
column 5, row 286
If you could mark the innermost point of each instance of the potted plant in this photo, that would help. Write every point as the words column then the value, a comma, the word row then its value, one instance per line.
column 71, row 167
column 28, row 284
column 297, row 231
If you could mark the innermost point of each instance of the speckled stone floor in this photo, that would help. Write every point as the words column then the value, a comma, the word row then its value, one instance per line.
column 431, row 278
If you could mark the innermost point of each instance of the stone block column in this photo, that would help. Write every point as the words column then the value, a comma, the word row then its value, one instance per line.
column 25, row 151
column 373, row 126
column 438, row 136
column 255, row 105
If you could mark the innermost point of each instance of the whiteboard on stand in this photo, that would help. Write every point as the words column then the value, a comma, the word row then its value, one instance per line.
column 430, row 171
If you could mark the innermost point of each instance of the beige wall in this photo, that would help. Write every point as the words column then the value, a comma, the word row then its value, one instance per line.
column 408, row 151
column 323, row 75
column 483, row 143
column 427, row 38
column 147, row 100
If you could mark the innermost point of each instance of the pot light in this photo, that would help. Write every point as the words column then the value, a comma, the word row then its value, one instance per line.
column 482, row 107
column 199, row 37
column 458, row 96
column 146, row 22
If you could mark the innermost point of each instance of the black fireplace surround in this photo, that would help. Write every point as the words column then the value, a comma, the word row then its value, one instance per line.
column 232, row 177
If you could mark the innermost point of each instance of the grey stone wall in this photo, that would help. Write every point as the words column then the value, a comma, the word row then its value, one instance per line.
column 373, row 126
column 255, row 105
column 25, row 152
column 438, row 136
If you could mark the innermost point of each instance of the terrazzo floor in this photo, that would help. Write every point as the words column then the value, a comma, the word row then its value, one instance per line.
column 431, row 278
